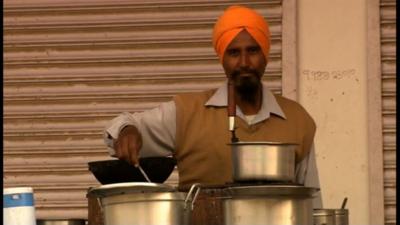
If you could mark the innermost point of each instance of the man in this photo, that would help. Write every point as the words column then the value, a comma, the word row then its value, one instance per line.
column 194, row 127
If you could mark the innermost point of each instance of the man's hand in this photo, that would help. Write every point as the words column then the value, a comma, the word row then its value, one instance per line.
column 128, row 145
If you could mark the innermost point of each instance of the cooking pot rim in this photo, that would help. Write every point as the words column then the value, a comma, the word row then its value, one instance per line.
column 129, row 187
column 271, row 190
column 326, row 211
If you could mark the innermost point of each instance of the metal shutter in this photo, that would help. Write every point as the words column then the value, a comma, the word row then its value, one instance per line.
column 70, row 66
column 388, row 52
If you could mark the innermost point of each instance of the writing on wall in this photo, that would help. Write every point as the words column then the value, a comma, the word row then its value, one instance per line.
column 320, row 75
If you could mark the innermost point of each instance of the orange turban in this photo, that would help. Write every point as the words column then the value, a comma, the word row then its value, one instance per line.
column 235, row 19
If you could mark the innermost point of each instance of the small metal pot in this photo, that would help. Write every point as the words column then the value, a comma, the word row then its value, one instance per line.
column 341, row 217
column 263, row 161
column 331, row 217
column 139, row 203
column 268, row 204
column 324, row 217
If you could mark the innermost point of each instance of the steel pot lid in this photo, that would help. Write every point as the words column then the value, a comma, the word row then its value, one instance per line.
column 271, row 190
column 261, row 143
column 129, row 188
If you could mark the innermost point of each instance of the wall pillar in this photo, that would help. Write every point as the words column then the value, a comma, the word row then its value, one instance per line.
column 332, row 85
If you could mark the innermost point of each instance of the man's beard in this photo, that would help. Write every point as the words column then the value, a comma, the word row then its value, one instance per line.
column 247, row 86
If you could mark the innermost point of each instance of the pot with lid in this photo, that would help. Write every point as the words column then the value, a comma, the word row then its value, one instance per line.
column 137, row 203
column 268, row 204
column 263, row 161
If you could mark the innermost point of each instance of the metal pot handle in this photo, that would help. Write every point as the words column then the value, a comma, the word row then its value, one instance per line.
column 100, row 206
column 195, row 186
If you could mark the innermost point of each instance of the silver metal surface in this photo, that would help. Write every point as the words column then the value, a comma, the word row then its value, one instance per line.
column 195, row 188
column 341, row 217
column 271, row 161
column 146, row 203
column 331, row 216
column 291, row 208
column 270, row 190
column 129, row 187
column 61, row 222
column 146, row 208
column 324, row 217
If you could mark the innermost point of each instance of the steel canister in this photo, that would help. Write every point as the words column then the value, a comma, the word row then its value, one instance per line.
column 331, row 216
column 341, row 217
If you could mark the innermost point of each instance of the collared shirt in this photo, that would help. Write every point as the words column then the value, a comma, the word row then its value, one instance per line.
column 268, row 106
column 158, row 129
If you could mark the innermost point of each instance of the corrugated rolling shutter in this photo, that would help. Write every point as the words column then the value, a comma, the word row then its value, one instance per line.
column 388, row 46
column 70, row 66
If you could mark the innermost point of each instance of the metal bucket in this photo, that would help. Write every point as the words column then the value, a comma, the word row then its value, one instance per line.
column 139, row 203
column 263, row 161
column 268, row 204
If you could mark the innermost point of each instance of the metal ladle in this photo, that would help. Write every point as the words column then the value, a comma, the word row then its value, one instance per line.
column 143, row 173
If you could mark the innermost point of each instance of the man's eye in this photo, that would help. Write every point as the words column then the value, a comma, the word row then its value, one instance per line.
column 232, row 52
column 254, row 49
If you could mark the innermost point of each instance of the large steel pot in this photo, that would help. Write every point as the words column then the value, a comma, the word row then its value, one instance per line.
column 263, row 161
column 139, row 203
column 268, row 205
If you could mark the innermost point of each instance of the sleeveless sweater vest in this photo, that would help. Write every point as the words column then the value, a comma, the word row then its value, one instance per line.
column 202, row 136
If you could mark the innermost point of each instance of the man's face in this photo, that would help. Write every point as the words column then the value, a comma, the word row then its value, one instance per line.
column 244, row 63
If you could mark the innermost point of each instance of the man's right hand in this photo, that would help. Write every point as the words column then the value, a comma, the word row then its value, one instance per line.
column 128, row 145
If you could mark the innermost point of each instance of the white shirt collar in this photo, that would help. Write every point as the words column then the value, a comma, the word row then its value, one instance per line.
column 269, row 103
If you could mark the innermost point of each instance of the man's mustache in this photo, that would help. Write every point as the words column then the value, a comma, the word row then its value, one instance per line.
column 236, row 73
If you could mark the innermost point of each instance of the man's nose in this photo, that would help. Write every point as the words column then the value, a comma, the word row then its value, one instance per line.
column 244, row 60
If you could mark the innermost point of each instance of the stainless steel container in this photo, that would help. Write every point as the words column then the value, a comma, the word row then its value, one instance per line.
column 144, row 203
column 60, row 222
column 268, row 161
column 268, row 204
column 341, row 217
column 331, row 217
column 324, row 217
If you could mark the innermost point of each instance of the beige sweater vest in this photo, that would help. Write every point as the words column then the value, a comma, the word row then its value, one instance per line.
column 202, row 136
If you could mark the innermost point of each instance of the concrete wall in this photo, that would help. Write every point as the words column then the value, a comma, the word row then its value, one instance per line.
column 332, row 60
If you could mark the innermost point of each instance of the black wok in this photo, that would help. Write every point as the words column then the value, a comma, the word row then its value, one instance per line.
column 158, row 169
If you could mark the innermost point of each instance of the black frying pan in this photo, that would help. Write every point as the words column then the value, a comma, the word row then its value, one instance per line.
column 158, row 169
